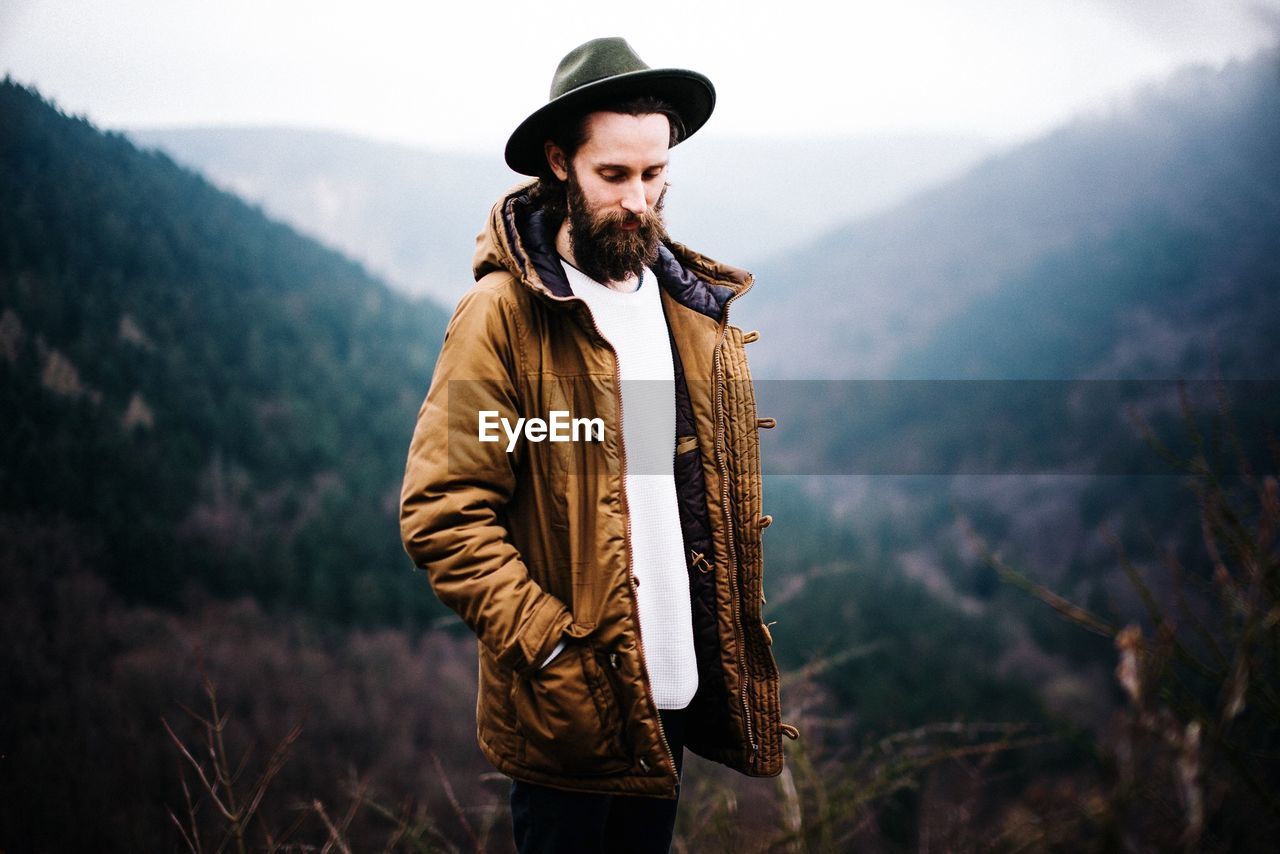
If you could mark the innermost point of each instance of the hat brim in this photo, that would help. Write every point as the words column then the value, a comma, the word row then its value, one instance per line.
column 690, row 93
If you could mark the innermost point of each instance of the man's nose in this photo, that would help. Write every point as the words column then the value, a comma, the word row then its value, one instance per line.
column 633, row 198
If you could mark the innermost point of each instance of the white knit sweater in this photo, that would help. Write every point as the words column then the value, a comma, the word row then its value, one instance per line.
column 634, row 324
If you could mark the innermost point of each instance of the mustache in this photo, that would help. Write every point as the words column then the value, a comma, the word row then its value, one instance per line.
column 651, row 218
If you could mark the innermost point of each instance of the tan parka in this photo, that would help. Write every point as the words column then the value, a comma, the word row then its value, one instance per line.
column 531, row 546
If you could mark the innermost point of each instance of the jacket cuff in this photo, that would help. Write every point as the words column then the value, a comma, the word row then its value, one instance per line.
column 558, row 649
column 544, row 629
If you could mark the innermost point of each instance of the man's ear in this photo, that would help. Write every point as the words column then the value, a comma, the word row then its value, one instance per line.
column 557, row 160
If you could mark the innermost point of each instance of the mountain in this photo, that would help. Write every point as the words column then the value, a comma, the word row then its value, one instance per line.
column 974, row 365
column 1097, row 266
column 201, row 391
column 412, row 213
column 1106, row 248
column 198, row 399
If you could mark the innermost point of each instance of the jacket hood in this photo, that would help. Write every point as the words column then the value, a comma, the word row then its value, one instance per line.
column 519, row 239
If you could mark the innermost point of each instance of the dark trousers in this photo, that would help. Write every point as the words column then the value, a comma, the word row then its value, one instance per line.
column 554, row 821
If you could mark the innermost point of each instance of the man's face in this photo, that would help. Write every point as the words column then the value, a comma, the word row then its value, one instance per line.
column 616, row 183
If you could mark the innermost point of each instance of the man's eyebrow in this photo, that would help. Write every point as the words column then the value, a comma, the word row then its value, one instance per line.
column 624, row 168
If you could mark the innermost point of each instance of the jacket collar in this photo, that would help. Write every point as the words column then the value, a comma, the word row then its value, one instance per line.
column 519, row 239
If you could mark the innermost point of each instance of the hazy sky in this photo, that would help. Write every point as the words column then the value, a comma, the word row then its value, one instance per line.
column 463, row 75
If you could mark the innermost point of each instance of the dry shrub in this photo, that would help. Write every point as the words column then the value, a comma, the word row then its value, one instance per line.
column 87, row 679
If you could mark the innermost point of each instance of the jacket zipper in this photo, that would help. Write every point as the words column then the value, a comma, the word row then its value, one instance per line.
column 728, row 520
column 626, row 514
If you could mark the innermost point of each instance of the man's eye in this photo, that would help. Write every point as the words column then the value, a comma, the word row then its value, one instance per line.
column 613, row 178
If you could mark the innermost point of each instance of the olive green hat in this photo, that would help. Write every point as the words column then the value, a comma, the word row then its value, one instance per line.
column 595, row 73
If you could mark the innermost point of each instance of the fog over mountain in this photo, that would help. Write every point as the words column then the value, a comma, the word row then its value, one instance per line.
column 411, row 214
column 1187, row 158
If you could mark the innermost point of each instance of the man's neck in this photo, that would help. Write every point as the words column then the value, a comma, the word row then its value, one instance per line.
column 564, row 246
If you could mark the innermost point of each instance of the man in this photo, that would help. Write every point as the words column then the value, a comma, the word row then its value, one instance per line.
column 613, row 577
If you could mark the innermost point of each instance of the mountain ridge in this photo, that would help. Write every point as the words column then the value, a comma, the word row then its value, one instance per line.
column 887, row 283
column 412, row 213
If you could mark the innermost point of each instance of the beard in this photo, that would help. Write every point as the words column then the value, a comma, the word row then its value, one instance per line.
column 602, row 248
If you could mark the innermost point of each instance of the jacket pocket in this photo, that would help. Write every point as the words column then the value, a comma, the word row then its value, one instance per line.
column 568, row 717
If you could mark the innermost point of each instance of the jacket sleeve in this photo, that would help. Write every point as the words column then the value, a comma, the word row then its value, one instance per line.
column 455, row 489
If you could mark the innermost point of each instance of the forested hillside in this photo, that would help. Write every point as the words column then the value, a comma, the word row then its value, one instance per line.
column 1028, row 320
column 202, row 390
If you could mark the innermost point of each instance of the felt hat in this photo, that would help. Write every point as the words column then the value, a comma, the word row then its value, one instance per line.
column 595, row 73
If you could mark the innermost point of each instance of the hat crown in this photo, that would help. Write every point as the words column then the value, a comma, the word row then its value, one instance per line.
column 592, row 61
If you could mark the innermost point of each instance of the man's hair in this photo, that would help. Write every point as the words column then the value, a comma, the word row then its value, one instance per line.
column 549, row 192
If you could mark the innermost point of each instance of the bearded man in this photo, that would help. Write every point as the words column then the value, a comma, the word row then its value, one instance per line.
column 612, row 578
